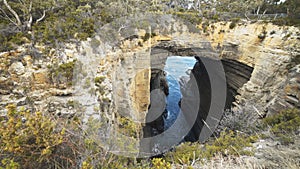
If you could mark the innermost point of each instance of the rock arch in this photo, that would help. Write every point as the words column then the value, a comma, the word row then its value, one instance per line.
column 255, row 70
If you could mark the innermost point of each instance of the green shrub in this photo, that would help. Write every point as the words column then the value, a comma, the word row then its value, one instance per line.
column 87, row 164
column 272, row 32
column 287, row 21
column 87, row 83
column 99, row 79
column 191, row 17
column 232, row 25
column 9, row 164
column 205, row 26
column 230, row 143
column 284, row 125
column 263, row 34
column 128, row 127
column 62, row 73
column 63, row 26
column 148, row 36
column 185, row 153
column 119, row 162
column 234, row 22
column 33, row 140
column 65, row 21
column 11, row 41
column 215, row 17
column 106, row 100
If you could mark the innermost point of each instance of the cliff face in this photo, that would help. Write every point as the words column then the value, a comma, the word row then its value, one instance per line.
column 111, row 72
column 268, row 49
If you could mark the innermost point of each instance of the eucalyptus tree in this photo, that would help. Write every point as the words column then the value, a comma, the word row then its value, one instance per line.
column 24, row 13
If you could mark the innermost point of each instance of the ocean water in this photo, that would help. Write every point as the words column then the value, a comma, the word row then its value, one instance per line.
column 176, row 67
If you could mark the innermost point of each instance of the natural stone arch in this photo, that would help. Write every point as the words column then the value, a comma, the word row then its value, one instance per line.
column 234, row 47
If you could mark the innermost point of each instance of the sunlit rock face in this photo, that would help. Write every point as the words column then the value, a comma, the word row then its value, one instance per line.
column 269, row 57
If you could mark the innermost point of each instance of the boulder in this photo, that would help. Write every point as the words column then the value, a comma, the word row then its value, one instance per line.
column 16, row 68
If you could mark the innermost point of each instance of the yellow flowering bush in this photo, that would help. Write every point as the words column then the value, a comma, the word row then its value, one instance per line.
column 159, row 163
column 27, row 138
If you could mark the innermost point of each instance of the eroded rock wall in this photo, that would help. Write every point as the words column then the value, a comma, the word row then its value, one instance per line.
column 267, row 48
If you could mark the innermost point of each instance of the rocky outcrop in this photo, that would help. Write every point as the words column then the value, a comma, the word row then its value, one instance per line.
column 26, row 82
column 256, row 69
column 157, row 111
column 290, row 95
column 237, row 74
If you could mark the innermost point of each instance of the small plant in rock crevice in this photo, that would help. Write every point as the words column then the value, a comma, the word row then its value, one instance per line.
column 147, row 36
column 263, row 34
column 128, row 127
column 99, row 79
column 62, row 73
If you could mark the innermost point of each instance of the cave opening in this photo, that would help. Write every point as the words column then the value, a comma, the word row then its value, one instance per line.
column 168, row 83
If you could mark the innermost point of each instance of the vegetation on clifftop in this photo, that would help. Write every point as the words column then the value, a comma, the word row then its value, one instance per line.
column 54, row 22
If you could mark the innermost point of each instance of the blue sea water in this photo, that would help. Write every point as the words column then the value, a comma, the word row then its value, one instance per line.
column 176, row 67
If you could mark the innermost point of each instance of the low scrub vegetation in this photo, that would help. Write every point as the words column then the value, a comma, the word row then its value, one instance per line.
column 33, row 140
column 284, row 126
column 191, row 17
column 229, row 143
column 36, row 140
column 62, row 73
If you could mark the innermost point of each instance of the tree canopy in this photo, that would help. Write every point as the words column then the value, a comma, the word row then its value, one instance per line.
column 49, row 21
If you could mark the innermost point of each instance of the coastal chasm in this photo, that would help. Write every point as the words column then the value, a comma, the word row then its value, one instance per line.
column 113, row 75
